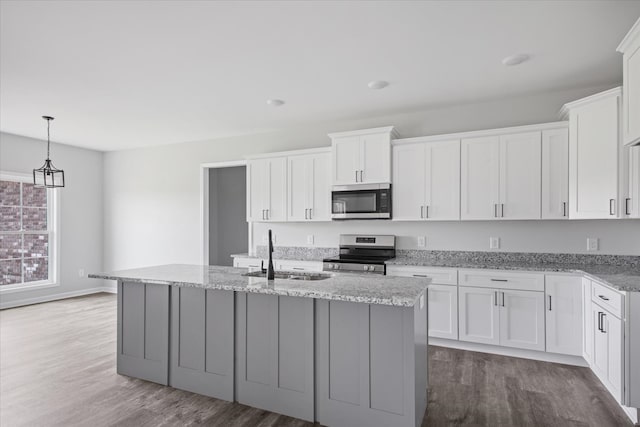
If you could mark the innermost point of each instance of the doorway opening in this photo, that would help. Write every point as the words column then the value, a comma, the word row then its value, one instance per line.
column 225, row 205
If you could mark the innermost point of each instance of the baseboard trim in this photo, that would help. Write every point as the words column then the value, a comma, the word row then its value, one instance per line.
column 512, row 352
column 55, row 297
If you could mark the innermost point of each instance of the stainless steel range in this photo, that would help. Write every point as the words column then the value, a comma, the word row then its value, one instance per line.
column 362, row 254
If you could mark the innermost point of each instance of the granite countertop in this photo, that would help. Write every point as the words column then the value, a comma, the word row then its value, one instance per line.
column 621, row 277
column 368, row 289
column 292, row 253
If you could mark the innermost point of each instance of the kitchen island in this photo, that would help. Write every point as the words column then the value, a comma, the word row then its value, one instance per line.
column 341, row 349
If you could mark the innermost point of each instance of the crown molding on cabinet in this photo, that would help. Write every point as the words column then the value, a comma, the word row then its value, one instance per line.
column 482, row 133
column 290, row 153
column 630, row 37
column 564, row 111
column 391, row 129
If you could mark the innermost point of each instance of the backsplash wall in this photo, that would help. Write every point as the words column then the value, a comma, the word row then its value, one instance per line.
column 616, row 237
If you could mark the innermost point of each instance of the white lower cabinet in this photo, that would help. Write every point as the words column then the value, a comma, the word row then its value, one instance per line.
column 564, row 318
column 443, row 311
column 607, row 349
column 587, row 335
column 502, row 317
column 479, row 315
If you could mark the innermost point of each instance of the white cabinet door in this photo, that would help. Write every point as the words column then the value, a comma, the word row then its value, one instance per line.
column 612, row 327
column 520, row 176
column 564, row 314
column 408, row 181
column 555, row 174
column 522, row 319
column 300, row 170
column 479, row 315
column 600, row 361
column 320, row 188
column 443, row 311
column 593, row 159
column 588, row 334
column 632, row 201
column 480, row 174
column 277, row 193
column 346, row 160
column 257, row 190
column 442, row 187
column 375, row 158
column 631, row 82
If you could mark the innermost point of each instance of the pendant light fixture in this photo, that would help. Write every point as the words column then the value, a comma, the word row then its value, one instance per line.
column 47, row 175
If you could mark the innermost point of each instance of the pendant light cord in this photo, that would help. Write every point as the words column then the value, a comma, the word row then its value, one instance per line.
column 48, row 138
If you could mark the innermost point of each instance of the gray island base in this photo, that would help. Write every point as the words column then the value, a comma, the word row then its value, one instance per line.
column 350, row 350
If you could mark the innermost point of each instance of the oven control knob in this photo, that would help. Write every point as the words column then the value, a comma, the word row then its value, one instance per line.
column 371, row 268
column 336, row 266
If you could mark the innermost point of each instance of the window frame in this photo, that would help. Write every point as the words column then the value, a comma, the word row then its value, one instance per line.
column 53, row 225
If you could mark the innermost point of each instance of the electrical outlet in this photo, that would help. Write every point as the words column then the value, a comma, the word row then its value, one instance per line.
column 494, row 243
column 310, row 239
column 81, row 272
column 592, row 243
column 422, row 241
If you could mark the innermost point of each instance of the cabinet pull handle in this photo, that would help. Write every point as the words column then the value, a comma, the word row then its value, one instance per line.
column 502, row 210
column 564, row 208
column 420, row 275
column 612, row 210
column 603, row 319
column 495, row 298
column 263, row 214
column 603, row 297
column 297, row 268
column 361, row 179
column 549, row 302
column 427, row 211
column 305, row 214
column 421, row 211
column 310, row 213
column 502, row 298
column 626, row 206
column 499, row 280
column 495, row 210
column 600, row 321
column 356, row 176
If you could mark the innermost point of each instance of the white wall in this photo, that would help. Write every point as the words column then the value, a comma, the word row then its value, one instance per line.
column 81, row 220
column 152, row 195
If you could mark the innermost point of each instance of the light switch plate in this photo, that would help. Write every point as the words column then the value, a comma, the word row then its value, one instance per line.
column 422, row 241
column 494, row 243
column 81, row 272
column 310, row 239
column 592, row 243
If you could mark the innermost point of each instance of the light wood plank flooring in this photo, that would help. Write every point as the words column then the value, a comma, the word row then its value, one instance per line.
column 57, row 368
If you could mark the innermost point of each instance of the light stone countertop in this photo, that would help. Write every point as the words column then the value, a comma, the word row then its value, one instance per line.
column 621, row 277
column 363, row 288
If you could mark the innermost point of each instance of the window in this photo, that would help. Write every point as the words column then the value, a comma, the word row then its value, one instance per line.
column 27, row 235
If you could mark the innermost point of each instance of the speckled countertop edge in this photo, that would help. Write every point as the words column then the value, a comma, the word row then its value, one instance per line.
column 360, row 288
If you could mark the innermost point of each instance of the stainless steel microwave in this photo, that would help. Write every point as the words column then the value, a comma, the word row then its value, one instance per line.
column 361, row 201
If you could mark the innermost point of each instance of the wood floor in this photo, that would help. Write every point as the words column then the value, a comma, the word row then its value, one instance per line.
column 57, row 368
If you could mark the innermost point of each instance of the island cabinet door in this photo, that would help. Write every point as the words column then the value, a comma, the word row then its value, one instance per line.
column 274, row 353
column 143, row 331
column 371, row 364
column 202, row 341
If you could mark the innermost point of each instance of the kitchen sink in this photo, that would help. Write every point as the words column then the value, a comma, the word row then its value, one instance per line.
column 291, row 275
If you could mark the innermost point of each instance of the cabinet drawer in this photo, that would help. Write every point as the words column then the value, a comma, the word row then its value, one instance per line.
column 607, row 298
column 501, row 280
column 299, row 265
column 247, row 262
column 439, row 276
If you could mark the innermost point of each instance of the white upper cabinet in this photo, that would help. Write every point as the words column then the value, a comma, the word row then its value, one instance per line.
column 309, row 187
column 520, row 175
column 630, row 49
column 594, row 156
column 362, row 156
column 267, row 189
column 501, row 176
column 426, row 181
column 480, row 175
column 555, row 174
column 632, row 199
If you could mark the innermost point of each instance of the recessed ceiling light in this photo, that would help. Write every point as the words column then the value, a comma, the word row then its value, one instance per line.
column 515, row 59
column 275, row 102
column 378, row 84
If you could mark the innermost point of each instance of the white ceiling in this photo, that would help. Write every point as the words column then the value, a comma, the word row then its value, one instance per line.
column 122, row 74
